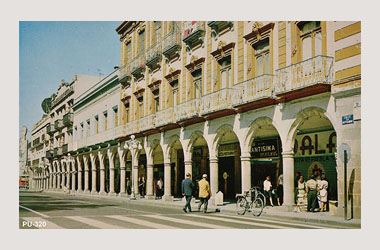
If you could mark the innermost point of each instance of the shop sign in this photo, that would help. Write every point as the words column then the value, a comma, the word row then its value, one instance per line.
column 265, row 148
column 226, row 153
column 315, row 143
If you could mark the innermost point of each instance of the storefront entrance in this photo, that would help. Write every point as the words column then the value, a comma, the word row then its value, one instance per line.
column 227, row 176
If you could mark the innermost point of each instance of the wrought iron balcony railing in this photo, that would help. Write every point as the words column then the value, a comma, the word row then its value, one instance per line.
column 193, row 33
column 187, row 110
column 153, row 54
column 316, row 70
column 125, row 75
column 147, row 122
column 58, row 124
column 49, row 154
column 216, row 101
column 138, row 65
column 164, row 117
column 68, row 119
column 50, row 129
column 65, row 148
column 171, row 44
column 253, row 89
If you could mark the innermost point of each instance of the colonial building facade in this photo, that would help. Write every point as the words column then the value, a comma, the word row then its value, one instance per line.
column 236, row 100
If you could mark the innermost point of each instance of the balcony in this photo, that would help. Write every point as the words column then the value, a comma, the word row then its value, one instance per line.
column 132, row 127
column 308, row 77
column 153, row 55
column 147, row 122
column 171, row 45
column 49, row 154
column 219, row 26
column 57, row 151
column 187, row 110
column 125, row 75
column 254, row 91
column 50, row 129
column 58, row 124
column 218, row 102
column 165, row 117
column 65, row 148
column 68, row 119
column 138, row 66
column 193, row 34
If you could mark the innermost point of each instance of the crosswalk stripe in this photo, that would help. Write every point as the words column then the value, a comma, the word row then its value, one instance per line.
column 31, row 210
column 141, row 222
column 94, row 223
column 181, row 221
column 270, row 221
column 39, row 221
column 237, row 221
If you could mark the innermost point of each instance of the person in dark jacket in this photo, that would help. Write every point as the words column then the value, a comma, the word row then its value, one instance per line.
column 187, row 191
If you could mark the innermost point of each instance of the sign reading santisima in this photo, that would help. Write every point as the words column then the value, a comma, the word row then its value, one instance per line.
column 265, row 148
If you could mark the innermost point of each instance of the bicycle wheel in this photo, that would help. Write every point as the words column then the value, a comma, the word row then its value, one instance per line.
column 241, row 205
column 262, row 197
column 257, row 207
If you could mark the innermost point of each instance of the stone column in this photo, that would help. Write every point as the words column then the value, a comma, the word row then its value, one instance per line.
column 93, row 179
column 73, row 180
column 102, row 174
column 68, row 177
column 80, row 171
column 54, row 180
column 167, row 182
column 58, row 180
column 86, row 175
column 288, row 169
column 214, row 182
column 122, row 173
column 188, row 168
column 135, row 176
column 112, row 174
column 245, row 172
column 149, row 180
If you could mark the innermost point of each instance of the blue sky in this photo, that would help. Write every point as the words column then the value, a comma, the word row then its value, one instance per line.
column 51, row 51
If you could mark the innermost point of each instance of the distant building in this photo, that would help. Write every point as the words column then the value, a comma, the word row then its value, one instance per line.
column 23, row 158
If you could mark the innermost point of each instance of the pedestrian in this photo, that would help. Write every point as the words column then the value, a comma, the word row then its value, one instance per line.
column 129, row 186
column 142, row 187
column 280, row 189
column 187, row 191
column 160, row 188
column 204, row 193
column 296, row 179
column 267, row 190
column 312, row 189
column 323, row 193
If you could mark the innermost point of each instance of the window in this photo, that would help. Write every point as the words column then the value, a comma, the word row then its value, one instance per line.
column 88, row 127
column 142, row 42
column 141, row 108
column 175, row 93
column 156, row 101
column 97, row 124
column 157, row 31
column 105, row 120
column 262, row 56
column 115, row 115
column 225, row 72
column 197, row 79
column 127, row 112
column 129, row 52
column 311, row 39
column 75, row 132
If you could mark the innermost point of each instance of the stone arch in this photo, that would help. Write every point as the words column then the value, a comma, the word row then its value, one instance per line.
column 192, row 140
column 300, row 119
column 220, row 132
column 254, row 128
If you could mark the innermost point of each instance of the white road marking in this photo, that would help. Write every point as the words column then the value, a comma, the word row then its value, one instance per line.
column 270, row 221
column 142, row 222
column 39, row 223
column 94, row 223
column 31, row 210
column 134, row 210
column 194, row 223
column 236, row 221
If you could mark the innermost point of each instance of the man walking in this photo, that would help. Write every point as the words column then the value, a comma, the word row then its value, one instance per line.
column 204, row 193
column 311, row 189
column 187, row 191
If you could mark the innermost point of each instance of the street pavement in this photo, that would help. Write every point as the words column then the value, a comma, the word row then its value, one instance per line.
column 42, row 210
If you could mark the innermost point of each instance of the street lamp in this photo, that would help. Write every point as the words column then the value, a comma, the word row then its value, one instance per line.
column 132, row 144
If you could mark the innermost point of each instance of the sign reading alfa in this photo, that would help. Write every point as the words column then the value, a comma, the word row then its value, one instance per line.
column 265, row 148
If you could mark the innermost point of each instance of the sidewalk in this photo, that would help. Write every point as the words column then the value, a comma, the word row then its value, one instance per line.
column 276, row 212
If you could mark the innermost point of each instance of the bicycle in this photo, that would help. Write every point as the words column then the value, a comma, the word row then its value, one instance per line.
column 251, row 201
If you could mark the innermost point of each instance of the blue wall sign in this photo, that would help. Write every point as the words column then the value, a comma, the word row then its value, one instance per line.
column 347, row 119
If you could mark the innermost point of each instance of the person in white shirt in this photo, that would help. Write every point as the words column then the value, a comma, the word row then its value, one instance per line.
column 267, row 190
